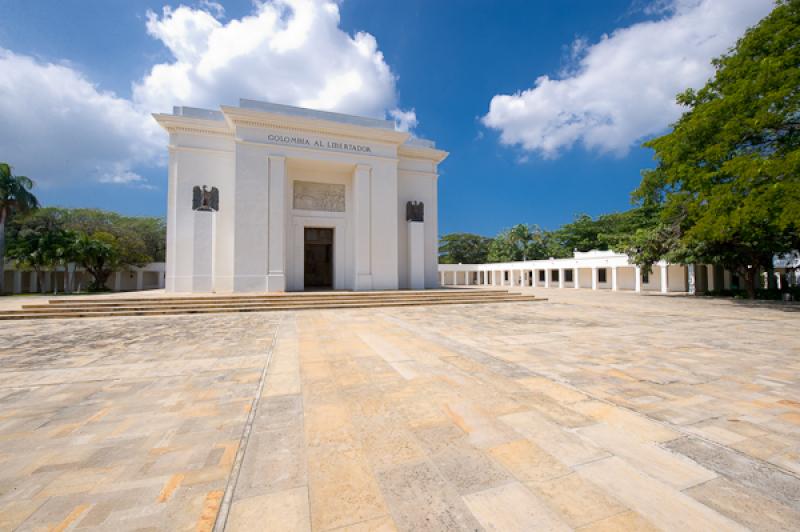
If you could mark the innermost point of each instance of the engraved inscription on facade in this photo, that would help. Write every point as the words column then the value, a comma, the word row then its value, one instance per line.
column 310, row 196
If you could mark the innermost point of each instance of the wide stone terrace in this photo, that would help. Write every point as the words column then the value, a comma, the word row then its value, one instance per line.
column 593, row 411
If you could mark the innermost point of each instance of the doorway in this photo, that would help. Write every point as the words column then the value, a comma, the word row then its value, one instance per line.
column 318, row 258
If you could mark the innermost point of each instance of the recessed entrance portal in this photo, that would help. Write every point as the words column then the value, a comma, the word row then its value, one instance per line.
column 318, row 271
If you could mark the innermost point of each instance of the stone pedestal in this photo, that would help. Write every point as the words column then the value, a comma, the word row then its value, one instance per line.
column 203, row 251
column 416, row 255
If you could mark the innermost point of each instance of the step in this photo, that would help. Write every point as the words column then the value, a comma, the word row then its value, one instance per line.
column 281, row 296
column 229, row 304
column 56, row 314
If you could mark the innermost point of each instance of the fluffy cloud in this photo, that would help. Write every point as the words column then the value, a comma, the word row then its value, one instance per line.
column 404, row 120
column 60, row 128
column 287, row 51
column 622, row 88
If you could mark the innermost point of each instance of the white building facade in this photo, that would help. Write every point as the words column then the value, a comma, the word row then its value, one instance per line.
column 271, row 198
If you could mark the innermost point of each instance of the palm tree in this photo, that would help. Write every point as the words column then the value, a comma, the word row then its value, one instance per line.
column 15, row 197
column 520, row 236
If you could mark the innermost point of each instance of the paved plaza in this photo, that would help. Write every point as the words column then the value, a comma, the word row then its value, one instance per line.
column 593, row 411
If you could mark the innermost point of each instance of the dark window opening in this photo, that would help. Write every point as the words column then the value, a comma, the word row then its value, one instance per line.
column 601, row 275
column 554, row 275
column 505, row 276
column 541, row 276
column 646, row 277
column 568, row 276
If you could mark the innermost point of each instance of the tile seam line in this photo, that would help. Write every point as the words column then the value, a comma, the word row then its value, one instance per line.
column 221, row 520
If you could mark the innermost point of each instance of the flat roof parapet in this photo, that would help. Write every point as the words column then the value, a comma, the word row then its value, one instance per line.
column 303, row 112
column 197, row 112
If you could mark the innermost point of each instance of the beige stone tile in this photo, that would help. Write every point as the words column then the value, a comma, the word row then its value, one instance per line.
column 625, row 420
column 556, row 391
column 512, row 507
column 280, row 511
column 282, row 384
column 527, row 461
column 576, row 500
column 623, row 522
column 380, row 524
column 565, row 446
column 673, row 469
column 746, row 505
column 343, row 490
column 660, row 504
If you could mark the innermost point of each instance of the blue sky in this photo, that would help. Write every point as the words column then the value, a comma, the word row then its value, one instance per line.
column 523, row 147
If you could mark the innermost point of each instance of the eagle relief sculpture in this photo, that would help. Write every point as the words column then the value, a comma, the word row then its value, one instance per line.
column 204, row 199
column 415, row 211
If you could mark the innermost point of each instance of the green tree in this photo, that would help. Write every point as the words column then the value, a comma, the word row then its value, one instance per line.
column 463, row 248
column 728, row 175
column 521, row 242
column 108, row 241
column 40, row 241
column 15, row 197
column 608, row 231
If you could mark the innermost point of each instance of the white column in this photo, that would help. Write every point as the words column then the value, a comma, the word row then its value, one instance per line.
column 276, row 244
column 416, row 255
column 16, row 288
column 561, row 277
column 594, row 278
column 534, row 277
column 202, row 252
column 712, row 281
column 161, row 279
column 664, row 279
column 614, row 278
column 117, row 281
column 362, row 186
column 547, row 278
column 638, row 281
column 466, row 277
column 139, row 280
column 576, row 279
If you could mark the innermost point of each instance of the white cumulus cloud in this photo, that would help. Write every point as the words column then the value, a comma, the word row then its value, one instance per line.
column 60, row 128
column 622, row 88
column 287, row 51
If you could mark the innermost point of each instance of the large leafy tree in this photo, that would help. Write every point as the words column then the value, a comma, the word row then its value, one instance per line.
column 463, row 248
column 607, row 231
column 108, row 241
column 40, row 241
column 728, row 175
column 100, row 241
column 15, row 197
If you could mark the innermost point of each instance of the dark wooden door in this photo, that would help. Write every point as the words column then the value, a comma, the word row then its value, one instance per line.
column 318, row 270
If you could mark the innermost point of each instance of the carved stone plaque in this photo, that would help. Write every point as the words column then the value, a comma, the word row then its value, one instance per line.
column 310, row 196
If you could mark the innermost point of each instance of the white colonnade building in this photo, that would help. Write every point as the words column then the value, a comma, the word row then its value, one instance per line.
column 596, row 270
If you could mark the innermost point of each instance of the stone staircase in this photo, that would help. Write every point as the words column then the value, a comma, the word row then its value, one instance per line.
column 97, row 307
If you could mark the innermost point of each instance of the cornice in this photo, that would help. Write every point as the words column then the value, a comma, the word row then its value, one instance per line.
column 196, row 126
column 418, row 152
column 236, row 116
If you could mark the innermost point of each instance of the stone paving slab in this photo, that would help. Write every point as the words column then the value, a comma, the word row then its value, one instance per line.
column 594, row 411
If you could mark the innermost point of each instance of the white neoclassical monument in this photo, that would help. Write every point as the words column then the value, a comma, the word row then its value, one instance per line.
column 265, row 197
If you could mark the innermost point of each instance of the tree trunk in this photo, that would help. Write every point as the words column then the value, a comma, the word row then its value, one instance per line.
column 2, row 251
column 750, row 281
column 99, row 279
column 40, row 279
